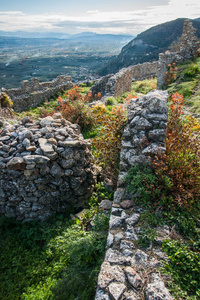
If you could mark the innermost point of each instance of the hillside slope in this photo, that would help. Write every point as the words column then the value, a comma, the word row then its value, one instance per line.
column 147, row 45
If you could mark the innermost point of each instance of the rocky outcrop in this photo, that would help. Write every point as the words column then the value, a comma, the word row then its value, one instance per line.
column 45, row 167
column 127, row 271
column 34, row 93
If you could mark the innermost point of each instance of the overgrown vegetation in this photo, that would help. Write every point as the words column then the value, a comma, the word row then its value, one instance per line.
column 60, row 258
column 107, row 144
column 144, row 86
column 5, row 101
column 56, row 259
column 184, row 267
column 187, row 83
column 170, row 191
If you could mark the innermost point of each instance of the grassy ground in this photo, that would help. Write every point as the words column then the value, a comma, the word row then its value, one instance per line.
column 56, row 259
column 188, row 84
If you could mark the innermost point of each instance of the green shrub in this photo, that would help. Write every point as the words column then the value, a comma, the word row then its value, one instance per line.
column 191, row 71
column 5, row 101
column 145, row 236
column 110, row 101
column 184, row 266
column 150, row 187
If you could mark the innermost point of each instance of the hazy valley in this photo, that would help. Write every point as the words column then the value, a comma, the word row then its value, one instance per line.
column 46, row 58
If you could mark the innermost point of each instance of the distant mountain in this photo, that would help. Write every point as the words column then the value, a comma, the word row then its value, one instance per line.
column 19, row 42
column 54, row 35
column 198, row 19
column 98, row 37
column 147, row 45
column 33, row 35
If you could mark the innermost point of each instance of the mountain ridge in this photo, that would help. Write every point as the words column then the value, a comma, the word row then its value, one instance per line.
column 147, row 45
column 58, row 35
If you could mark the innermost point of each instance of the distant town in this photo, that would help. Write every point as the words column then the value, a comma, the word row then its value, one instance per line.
column 25, row 58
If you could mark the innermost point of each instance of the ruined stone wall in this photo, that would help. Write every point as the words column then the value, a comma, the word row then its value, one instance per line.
column 116, row 85
column 189, row 42
column 188, row 49
column 100, row 85
column 123, row 273
column 123, row 81
column 45, row 167
column 34, row 93
column 164, row 60
column 145, row 70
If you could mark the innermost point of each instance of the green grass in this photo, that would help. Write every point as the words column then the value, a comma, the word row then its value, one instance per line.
column 194, row 103
column 43, row 110
column 139, row 87
column 186, row 88
column 144, row 86
column 38, row 260
column 188, row 84
column 55, row 259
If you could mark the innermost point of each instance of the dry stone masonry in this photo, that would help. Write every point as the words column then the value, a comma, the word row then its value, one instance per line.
column 34, row 93
column 45, row 167
column 116, row 85
column 188, row 49
column 144, row 134
column 189, row 42
column 145, row 70
column 129, row 272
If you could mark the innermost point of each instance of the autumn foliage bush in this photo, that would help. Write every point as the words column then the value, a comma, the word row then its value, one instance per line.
column 171, row 73
column 181, row 161
column 76, row 110
column 107, row 143
column 174, row 179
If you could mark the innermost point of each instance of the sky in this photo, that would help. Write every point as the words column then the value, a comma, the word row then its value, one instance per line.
column 105, row 16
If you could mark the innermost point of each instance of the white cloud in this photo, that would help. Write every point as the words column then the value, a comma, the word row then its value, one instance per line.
column 131, row 22
column 92, row 11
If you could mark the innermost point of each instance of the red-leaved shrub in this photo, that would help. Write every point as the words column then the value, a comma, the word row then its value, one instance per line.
column 181, row 161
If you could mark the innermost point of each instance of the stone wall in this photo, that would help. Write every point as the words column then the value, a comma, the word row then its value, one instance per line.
column 189, row 42
column 116, row 85
column 188, row 49
column 100, row 85
column 45, row 167
column 124, row 271
column 145, row 70
column 164, row 60
column 34, row 93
